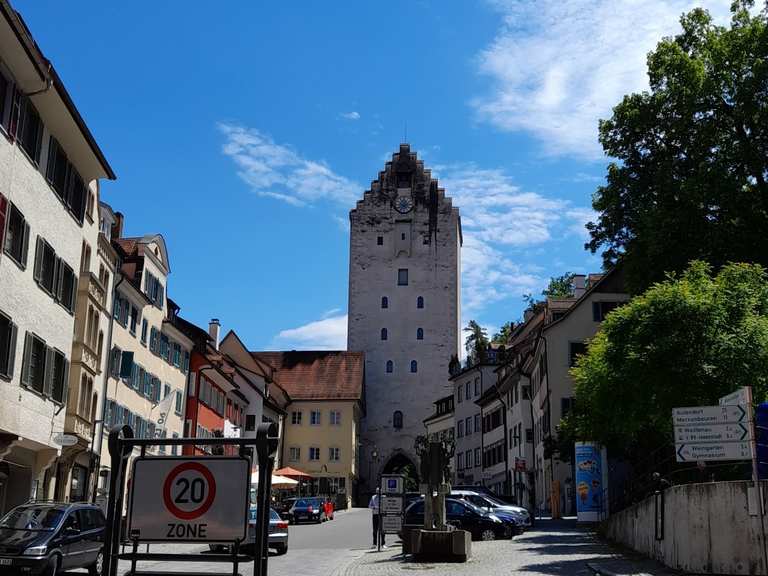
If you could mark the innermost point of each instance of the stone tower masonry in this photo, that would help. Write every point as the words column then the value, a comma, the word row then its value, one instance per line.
column 404, row 298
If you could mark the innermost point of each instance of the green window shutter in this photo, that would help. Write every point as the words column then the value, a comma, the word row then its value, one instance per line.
column 65, row 384
column 25, row 364
column 25, row 246
column 38, row 273
column 12, row 350
column 49, row 364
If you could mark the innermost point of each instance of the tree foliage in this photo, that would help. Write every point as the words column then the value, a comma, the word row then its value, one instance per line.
column 690, row 180
column 558, row 287
column 476, row 343
column 504, row 334
column 684, row 342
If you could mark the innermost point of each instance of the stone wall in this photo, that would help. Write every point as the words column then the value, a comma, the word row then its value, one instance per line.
column 708, row 529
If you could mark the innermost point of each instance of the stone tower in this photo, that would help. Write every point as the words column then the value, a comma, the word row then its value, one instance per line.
column 404, row 298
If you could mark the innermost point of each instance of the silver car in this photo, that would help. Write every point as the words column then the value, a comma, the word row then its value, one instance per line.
column 489, row 503
column 278, row 534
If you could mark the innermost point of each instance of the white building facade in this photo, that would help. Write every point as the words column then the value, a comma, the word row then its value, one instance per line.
column 404, row 295
column 49, row 167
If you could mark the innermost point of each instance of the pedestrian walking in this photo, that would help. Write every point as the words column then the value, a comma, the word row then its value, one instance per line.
column 378, row 532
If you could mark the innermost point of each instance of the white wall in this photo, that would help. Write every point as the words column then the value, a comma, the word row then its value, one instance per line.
column 707, row 529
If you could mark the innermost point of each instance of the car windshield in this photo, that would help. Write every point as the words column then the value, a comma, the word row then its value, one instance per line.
column 32, row 518
column 471, row 506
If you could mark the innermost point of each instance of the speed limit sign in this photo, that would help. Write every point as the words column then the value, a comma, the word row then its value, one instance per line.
column 189, row 499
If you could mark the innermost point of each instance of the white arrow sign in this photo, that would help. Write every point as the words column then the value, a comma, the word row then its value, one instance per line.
column 737, row 397
column 714, row 451
column 703, row 415
column 713, row 433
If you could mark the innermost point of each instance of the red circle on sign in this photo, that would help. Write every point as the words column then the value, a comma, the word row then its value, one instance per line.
column 203, row 508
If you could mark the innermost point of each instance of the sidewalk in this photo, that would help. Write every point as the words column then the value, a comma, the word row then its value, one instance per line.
column 552, row 548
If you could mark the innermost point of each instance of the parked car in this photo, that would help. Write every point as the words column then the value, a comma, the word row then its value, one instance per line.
column 284, row 506
column 465, row 516
column 311, row 508
column 48, row 537
column 492, row 504
column 278, row 534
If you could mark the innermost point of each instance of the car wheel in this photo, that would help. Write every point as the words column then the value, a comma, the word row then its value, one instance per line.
column 53, row 565
column 97, row 567
column 487, row 534
column 281, row 549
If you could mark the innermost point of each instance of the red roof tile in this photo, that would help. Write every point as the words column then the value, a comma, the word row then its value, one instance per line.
column 317, row 375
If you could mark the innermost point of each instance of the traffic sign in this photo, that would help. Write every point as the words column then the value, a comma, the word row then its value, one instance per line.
column 700, row 415
column 391, row 524
column 712, row 433
column 392, row 484
column 189, row 499
column 392, row 504
column 713, row 451
column 738, row 397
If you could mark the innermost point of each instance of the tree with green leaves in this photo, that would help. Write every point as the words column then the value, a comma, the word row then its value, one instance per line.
column 691, row 176
column 504, row 334
column 684, row 342
column 558, row 287
column 476, row 343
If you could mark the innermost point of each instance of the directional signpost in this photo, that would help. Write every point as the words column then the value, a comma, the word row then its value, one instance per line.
column 391, row 503
column 708, row 433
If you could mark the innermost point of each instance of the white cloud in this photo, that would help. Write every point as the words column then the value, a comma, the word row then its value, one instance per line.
column 277, row 171
column 341, row 222
column 328, row 333
column 557, row 66
column 350, row 115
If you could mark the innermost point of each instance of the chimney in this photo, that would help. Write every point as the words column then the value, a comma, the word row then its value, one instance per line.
column 117, row 226
column 579, row 285
column 213, row 330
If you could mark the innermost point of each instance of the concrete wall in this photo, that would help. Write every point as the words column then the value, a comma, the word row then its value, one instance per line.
column 707, row 529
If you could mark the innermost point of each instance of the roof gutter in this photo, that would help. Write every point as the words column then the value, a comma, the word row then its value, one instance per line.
column 48, row 74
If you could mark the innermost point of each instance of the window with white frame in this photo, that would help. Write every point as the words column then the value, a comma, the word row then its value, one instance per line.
column 334, row 454
column 314, row 453
column 314, row 417
column 335, row 418
column 294, row 454
column 296, row 417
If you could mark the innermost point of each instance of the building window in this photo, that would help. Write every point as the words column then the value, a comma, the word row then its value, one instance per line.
column 45, row 265
column 397, row 420
column 383, row 333
column 477, row 386
column 460, row 429
column 468, row 425
column 30, row 129
column 467, row 391
column 419, row 333
column 314, row 418
column 144, row 328
column 16, row 236
column 477, row 458
column 334, row 454
column 314, row 453
column 294, row 453
column 529, row 435
column 33, row 373
column 380, row 240
column 390, row 366
column 134, row 320
column 177, row 402
column 566, row 405
column 460, row 461
column 296, row 418
column 601, row 309
column 384, row 302
column 335, row 418
column 420, row 302
column 414, row 366
column 575, row 349
column 402, row 277
column 460, row 395
column 477, row 424
column 8, row 333
column 468, row 459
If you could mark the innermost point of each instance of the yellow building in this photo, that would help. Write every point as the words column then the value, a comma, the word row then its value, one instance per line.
column 322, row 425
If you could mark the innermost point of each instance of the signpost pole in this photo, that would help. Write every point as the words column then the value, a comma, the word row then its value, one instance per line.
column 380, row 523
column 753, row 446
column 266, row 446
column 118, row 455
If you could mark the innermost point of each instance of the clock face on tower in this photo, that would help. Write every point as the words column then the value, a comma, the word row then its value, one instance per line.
column 403, row 203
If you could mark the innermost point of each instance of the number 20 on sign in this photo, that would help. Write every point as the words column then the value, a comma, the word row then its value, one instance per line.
column 189, row 499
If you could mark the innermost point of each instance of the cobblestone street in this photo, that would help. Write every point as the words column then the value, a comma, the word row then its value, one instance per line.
column 342, row 548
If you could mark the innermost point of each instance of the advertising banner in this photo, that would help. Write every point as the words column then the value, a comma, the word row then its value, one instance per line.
column 591, row 480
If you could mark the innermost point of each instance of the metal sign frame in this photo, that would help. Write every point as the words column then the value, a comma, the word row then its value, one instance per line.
column 133, row 534
column 121, row 443
column 395, row 488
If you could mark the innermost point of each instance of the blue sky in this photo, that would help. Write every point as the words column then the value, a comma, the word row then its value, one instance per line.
column 245, row 133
